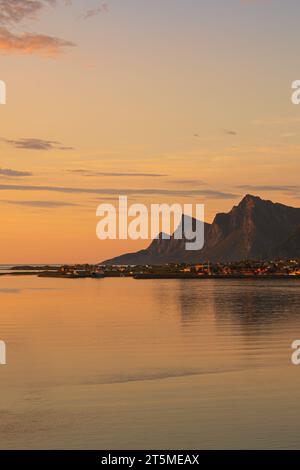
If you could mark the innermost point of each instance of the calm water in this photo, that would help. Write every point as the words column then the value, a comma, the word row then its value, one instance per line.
column 118, row 363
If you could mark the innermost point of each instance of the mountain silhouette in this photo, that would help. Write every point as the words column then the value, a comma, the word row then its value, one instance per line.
column 255, row 229
column 291, row 247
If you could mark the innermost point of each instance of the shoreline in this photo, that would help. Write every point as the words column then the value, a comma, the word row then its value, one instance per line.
column 170, row 276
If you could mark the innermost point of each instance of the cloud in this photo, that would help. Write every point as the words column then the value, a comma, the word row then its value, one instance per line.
column 229, row 132
column 13, row 173
column 40, row 204
column 13, row 12
column 117, row 174
column 103, row 8
column 31, row 43
column 188, row 181
column 287, row 188
column 207, row 193
column 36, row 144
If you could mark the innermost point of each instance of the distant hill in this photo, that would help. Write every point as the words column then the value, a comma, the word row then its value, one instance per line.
column 255, row 229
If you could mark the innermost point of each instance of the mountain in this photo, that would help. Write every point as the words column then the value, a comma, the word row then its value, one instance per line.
column 255, row 229
column 160, row 251
column 252, row 230
column 291, row 247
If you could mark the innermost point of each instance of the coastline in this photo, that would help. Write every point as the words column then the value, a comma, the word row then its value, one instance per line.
column 146, row 276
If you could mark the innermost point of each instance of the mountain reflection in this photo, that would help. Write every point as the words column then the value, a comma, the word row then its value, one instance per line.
column 249, row 304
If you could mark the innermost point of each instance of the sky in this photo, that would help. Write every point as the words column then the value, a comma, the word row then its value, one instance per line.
column 164, row 101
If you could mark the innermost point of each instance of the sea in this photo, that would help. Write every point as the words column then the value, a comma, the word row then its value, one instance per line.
column 119, row 363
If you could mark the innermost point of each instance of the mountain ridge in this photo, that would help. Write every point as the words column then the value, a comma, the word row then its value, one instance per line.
column 253, row 229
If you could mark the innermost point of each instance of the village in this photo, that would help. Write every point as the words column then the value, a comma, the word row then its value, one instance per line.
column 289, row 269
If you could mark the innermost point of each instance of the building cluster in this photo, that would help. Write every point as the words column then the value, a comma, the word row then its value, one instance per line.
column 276, row 268
column 243, row 269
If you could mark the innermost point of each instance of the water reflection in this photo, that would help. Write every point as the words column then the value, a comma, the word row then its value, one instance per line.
column 257, row 305
column 245, row 303
column 172, row 362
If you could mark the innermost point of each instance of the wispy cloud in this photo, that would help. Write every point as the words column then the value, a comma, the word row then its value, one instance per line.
column 14, row 173
column 280, row 188
column 13, row 12
column 30, row 43
column 192, row 182
column 40, row 204
column 116, row 174
column 101, row 8
column 229, row 132
column 206, row 193
column 36, row 144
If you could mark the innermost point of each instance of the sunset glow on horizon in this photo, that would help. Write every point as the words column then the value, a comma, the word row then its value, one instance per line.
column 162, row 101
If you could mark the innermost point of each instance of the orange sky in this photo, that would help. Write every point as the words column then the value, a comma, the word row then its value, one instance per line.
column 191, row 100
